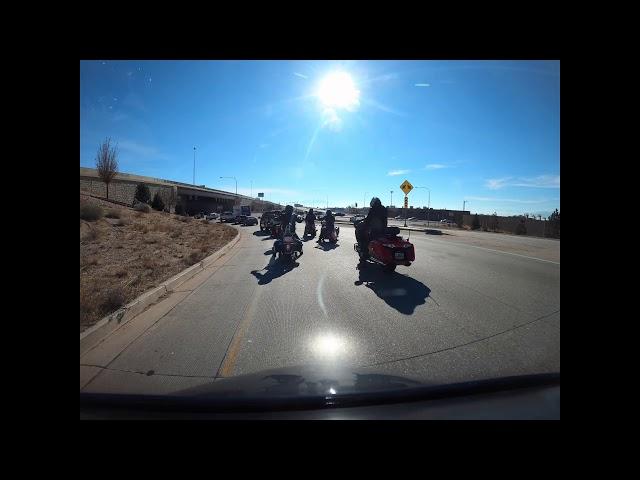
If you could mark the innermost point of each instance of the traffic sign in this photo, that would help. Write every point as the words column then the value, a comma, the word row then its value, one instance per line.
column 260, row 195
column 406, row 187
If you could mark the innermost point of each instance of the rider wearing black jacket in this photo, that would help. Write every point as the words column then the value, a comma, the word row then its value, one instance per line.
column 311, row 217
column 374, row 224
column 329, row 222
column 288, row 219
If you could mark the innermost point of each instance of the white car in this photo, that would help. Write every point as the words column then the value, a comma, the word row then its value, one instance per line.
column 212, row 216
column 355, row 218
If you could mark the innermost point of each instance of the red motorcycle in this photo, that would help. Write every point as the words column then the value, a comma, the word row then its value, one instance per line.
column 388, row 250
column 276, row 230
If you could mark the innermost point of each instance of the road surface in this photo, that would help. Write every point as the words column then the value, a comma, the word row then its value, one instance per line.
column 460, row 312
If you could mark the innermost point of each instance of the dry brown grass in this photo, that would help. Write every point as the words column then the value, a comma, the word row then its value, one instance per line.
column 113, row 213
column 135, row 252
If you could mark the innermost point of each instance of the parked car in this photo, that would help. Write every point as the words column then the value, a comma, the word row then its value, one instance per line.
column 212, row 216
column 355, row 218
column 339, row 214
column 227, row 217
column 240, row 219
column 248, row 221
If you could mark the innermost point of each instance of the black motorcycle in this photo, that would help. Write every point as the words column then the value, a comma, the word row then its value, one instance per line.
column 288, row 247
column 310, row 229
column 326, row 234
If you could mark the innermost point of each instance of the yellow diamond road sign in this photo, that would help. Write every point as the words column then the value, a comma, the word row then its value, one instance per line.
column 406, row 187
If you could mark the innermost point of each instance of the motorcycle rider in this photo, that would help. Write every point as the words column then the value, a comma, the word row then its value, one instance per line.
column 310, row 218
column 288, row 219
column 329, row 222
column 374, row 224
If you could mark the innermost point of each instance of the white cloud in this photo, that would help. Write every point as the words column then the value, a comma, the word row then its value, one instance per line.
column 140, row 150
column 436, row 166
column 393, row 173
column 541, row 181
column 300, row 75
column 422, row 84
column 264, row 145
column 506, row 200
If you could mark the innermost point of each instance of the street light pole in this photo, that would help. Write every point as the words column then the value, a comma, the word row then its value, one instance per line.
column 194, row 166
column 251, row 188
column 364, row 201
column 391, row 204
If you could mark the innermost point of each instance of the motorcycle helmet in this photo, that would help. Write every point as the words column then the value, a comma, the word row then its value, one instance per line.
column 311, row 210
column 374, row 202
column 288, row 209
column 329, row 212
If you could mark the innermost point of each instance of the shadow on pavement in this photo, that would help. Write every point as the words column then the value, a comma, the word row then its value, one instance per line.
column 275, row 268
column 327, row 246
column 260, row 233
column 400, row 292
column 269, row 252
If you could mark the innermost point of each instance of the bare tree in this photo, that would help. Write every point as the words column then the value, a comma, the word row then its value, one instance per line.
column 107, row 162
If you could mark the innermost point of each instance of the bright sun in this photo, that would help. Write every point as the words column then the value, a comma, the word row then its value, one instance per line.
column 337, row 90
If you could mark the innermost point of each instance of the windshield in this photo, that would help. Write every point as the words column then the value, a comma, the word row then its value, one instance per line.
column 454, row 275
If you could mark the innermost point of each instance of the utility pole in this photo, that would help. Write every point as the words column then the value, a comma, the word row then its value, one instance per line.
column 194, row 166
column 391, row 204
column 251, row 188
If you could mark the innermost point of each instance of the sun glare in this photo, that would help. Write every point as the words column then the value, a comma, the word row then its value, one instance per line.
column 337, row 90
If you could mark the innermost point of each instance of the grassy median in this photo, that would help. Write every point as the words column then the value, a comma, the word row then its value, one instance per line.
column 124, row 253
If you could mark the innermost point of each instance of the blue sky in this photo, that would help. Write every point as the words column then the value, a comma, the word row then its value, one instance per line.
column 483, row 131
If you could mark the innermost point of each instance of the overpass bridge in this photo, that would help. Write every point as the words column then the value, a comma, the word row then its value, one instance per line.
column 195, row 198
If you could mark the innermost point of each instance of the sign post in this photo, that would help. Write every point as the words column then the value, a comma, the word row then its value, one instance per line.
column 406, row 187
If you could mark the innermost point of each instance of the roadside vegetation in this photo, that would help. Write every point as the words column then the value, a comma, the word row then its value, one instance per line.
column 126, row 251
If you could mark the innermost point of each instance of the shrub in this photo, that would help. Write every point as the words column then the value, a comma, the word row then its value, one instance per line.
column 476, row 222
column 113, row 213
column 521, row 228
column 142, row 207
column 142, row 193
column 179, row 209
column 113, row 300
column 90, row 212
column 158, row 203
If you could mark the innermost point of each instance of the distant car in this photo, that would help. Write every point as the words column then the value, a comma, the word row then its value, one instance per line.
column 212, row 216
column 355, row 218
column 248, row 221
column 447, row 221
column 339, row 214
column 227, row 217
column 240, row 219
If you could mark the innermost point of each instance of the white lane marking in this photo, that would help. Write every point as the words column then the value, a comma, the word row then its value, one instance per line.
column 492, row 250
column 319, row 295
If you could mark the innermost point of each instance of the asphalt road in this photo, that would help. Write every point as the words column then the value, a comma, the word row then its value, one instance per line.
column 458, row 313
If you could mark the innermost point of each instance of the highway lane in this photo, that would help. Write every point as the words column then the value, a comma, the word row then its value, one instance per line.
column 457, row 313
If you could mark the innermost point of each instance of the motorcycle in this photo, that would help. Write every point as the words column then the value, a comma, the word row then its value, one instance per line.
column 388, row 250
column 276, row 230
column 310, row 229
column 288, row 247
column 332, row 236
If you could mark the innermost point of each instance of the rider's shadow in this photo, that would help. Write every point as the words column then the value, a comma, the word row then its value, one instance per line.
column 325, row 246
column 274, row 269
column 398, row 291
